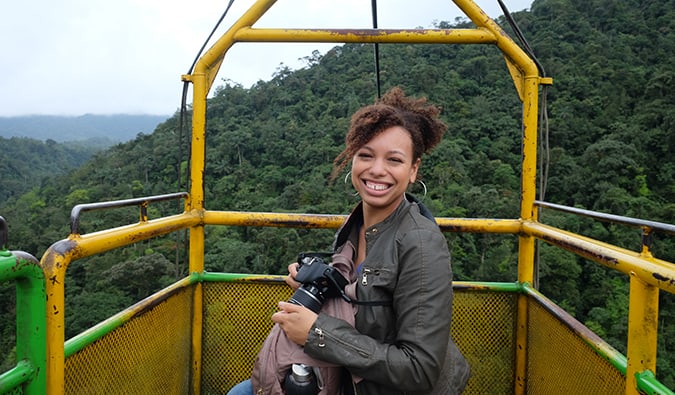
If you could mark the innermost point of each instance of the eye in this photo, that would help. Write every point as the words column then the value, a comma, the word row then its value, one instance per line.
column 396, row 160
column 364, row 155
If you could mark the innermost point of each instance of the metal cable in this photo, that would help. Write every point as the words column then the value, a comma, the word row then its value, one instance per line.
column 377, row 50
column 181, row 125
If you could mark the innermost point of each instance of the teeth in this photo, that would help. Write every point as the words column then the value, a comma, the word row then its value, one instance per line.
column 377, row 187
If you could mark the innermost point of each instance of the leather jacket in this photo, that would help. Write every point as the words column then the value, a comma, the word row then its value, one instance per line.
column 401, row 345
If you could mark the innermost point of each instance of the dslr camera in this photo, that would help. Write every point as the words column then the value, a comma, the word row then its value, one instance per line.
column 319, row 281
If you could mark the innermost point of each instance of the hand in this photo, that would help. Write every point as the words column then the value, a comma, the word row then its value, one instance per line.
column 295, row 320
column 292, row 272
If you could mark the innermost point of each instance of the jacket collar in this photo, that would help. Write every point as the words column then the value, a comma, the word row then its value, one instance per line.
column 349, row 228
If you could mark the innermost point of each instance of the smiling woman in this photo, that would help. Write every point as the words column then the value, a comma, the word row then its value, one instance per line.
column 397, row 338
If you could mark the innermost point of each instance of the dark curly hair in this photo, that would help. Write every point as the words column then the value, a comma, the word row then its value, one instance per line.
column 394, row 108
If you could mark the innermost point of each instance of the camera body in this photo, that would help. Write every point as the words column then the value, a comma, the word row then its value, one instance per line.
column 319, row 281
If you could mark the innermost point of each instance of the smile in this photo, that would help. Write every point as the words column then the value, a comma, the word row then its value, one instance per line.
column 376, row 186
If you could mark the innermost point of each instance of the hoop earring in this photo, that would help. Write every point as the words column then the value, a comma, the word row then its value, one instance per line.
column 423, row 186
column 347, row 177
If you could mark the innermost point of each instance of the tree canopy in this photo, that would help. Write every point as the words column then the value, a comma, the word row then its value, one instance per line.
column 270, row 148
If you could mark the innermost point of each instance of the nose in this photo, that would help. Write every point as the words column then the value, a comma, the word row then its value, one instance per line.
column 378, row 167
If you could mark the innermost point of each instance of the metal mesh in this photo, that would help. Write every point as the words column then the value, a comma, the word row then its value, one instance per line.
column 236, row 322
column 482, row 328
column 559, row 361
column 148, row 355
column 151, row 353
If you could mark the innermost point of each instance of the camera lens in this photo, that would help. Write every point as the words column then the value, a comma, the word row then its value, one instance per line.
column 310, row 296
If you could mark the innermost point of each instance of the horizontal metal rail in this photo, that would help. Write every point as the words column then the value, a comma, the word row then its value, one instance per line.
column 393, row 36
column 652, row 271
column 142, row 202
column 617, row 219
column 327, row 221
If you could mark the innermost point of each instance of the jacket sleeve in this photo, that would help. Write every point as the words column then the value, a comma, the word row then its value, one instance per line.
column 422, row 305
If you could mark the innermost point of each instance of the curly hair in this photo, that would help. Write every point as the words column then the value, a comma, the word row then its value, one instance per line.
column 394, row 108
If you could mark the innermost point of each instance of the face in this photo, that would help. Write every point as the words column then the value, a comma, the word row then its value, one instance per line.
column 382, row 170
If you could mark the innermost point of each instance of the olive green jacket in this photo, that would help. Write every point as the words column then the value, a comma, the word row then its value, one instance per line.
column 402, row 346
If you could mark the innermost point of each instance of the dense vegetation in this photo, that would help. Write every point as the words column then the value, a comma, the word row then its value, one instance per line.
column 25, row 162
column 270, row 147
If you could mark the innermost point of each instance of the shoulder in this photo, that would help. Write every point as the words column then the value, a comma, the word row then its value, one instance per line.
column 418, row 218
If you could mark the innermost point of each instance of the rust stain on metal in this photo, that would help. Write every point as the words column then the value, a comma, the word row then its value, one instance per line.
column 294, row 223
column 51, row 264
column 63, row 247
column 140, row 236
column 369, row 32
column 475, row 287
column 664, row 279
column 454, row 228
column 581, row 251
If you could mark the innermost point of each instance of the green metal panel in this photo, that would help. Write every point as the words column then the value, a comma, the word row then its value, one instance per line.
column 29, row 373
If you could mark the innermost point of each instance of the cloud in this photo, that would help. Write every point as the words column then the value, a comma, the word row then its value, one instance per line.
column 73, row 57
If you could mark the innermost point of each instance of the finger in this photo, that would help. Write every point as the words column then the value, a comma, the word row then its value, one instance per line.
column 293, row 269
column 277, row 317
column 288, row 307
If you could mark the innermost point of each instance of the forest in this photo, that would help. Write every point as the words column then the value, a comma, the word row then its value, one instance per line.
column 270, row 147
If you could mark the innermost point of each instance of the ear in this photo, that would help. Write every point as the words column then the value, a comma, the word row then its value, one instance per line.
column 413, row 170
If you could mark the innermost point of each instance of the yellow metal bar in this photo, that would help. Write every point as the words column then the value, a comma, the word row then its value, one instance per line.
column 643, row 318
column 652, row 271
column 526, row 244
column 209, row 64
column 239, row 218
column 197, row 330
column 390, row 36
column 58, row 257
column 527, row 79
column 520, row 368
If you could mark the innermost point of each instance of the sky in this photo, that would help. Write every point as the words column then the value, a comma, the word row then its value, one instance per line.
column 76, row 57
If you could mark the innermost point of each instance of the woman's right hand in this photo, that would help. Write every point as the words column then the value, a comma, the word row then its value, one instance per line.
column 292, row 272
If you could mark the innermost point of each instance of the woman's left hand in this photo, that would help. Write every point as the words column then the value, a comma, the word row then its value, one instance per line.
column 295, row 320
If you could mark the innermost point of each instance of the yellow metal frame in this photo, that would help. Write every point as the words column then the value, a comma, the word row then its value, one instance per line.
column 522, row 68
column 643, row 316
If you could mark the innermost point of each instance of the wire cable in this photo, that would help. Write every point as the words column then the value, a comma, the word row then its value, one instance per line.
column 544, row 158
column 373, row 6
column 182, row 125
column 183, row 104
column 543, row 113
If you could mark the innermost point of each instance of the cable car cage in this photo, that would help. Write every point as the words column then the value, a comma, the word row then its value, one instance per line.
column 201, row 334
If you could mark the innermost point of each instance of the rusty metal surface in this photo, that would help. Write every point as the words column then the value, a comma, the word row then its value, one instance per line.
column 652, row 271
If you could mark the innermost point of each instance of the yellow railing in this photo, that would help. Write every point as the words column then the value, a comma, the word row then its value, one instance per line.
column 640, row 266
column 236, row 321
column 79, row 246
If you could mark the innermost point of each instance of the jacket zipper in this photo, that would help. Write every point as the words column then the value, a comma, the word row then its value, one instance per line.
column 322, row 342
column 319, row 332
column 364, row 279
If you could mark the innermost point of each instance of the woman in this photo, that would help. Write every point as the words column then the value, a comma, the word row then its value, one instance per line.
column 401, row 342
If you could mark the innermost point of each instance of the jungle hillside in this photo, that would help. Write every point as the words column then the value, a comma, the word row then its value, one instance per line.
column 270, row 147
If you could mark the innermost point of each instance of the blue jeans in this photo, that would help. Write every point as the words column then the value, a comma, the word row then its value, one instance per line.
column 243, row 388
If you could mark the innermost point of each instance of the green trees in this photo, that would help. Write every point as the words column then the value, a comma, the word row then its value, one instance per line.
column 270, row 147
